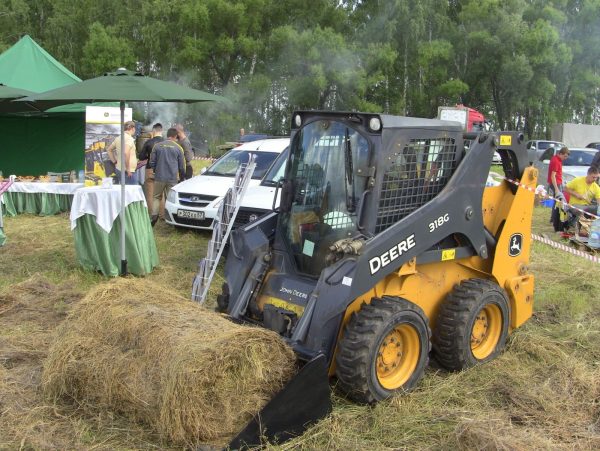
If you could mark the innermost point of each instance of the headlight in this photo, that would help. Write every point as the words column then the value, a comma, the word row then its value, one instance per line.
column 375, row 124
column 567, row 178
column 172, row 196
column 297, row 120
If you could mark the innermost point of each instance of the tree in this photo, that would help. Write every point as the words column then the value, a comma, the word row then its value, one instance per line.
column 105, row 52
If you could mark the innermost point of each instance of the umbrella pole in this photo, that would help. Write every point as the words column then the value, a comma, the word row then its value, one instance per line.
column 122, row 212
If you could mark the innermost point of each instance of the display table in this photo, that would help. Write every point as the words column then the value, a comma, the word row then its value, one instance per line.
column 39, row 198
column 97, row 229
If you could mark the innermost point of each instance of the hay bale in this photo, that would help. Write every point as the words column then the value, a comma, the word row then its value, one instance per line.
column 142, row 351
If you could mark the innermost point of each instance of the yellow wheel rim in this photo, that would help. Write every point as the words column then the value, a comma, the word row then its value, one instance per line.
column 486, row 331
column 398, row 356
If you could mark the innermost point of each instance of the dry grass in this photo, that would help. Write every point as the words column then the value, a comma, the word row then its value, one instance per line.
column 542, row 393
column 137, row 349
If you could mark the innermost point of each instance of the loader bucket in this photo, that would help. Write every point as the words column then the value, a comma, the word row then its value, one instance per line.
column 304, row 400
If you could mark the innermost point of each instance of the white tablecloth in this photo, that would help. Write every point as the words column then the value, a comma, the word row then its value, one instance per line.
column 43, row 187
column 103, row 203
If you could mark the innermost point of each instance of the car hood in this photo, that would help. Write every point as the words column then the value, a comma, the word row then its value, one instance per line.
column 260, row 197
column 207, row 185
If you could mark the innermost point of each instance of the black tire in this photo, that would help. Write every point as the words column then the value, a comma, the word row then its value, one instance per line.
column 472, row 324
column 363, row 373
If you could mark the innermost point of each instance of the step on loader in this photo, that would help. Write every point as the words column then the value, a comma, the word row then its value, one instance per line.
column 387, row 248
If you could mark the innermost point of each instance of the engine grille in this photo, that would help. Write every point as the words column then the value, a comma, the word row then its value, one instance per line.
column 245, row 214
column 195, row 200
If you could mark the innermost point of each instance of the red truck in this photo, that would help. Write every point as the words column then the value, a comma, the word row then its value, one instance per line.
column 471, row 119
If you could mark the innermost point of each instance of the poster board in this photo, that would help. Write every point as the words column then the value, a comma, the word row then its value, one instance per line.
column 102, row 126
column 454, row 114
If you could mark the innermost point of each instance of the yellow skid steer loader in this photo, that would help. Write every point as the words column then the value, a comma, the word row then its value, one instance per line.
column 387, row 247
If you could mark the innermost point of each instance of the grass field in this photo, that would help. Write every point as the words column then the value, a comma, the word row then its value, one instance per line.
column 542, row 393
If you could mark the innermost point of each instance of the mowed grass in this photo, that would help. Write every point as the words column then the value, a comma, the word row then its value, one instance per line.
column 542, row 393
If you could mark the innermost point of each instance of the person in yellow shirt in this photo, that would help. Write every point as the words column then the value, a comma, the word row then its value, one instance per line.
column 114, row 153
column 584, row 191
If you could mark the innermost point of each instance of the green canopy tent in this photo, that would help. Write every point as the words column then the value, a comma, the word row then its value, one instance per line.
column 34, row 143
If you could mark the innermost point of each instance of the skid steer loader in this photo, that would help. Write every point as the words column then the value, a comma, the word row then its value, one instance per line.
column 387, row 246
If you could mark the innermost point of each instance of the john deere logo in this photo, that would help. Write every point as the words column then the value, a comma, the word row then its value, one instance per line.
column 515, row 245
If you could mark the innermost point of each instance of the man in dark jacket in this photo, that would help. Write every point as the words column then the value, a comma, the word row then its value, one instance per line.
column 188, row 153
column 157, row 136
column 168, row 164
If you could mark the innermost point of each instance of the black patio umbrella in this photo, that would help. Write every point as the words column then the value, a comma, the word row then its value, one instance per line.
column 122, row 86
column 8, row 94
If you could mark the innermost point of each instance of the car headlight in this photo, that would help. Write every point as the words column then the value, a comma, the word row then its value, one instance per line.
column 172, row 196
column 567, row 178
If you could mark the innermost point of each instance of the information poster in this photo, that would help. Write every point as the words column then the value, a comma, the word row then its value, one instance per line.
column 102, row 126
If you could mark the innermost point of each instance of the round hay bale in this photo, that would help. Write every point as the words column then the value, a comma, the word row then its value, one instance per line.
column 142, row 351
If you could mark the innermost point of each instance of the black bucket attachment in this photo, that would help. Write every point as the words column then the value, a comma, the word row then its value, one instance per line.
column 303, row 401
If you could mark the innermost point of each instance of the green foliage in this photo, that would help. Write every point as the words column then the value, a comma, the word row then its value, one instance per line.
column 105, row 52
column 524, row 63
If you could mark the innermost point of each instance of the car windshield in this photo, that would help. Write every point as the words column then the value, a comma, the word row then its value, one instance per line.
column 579, row 158
column 542, row 145
column 227, row 165
column 277, row 171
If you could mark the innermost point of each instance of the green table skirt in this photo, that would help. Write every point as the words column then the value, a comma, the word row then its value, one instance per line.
column 2, row 237
column 97, row 250
column 41, row 204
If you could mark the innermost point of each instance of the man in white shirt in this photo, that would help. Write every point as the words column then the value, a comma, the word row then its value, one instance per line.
column 114, row 153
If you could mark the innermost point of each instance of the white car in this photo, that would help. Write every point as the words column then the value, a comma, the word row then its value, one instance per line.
column 258, row 200
column 194, row 203
column 576, row 164
column 539, row 146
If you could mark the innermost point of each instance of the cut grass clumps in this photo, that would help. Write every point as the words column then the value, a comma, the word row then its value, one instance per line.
column 137, row 349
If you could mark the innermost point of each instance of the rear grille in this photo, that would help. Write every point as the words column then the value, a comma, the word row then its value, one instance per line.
column 417, row 174
column 195, row 200
column 193, row 222
column 244, row 214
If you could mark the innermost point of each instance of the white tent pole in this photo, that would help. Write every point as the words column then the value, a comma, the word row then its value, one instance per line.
column 122, row 212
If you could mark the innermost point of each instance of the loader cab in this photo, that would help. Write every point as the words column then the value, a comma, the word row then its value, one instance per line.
column 352, row 176
column 325, row 179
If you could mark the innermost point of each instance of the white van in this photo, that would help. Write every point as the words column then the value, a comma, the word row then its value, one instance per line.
column 258, row 199
column 194, row 203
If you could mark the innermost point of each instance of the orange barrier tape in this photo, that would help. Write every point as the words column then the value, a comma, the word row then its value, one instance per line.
column 565, row 248
column 520, row 185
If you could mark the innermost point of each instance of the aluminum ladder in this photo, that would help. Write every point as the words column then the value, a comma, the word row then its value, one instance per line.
column 222, row 226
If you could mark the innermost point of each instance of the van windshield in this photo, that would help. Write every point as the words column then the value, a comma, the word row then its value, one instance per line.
column 277, row 171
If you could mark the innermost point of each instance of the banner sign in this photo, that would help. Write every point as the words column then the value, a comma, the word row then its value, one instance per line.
column 102, row 126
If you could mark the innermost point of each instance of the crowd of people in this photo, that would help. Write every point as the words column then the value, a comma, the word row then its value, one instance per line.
column 167, row 161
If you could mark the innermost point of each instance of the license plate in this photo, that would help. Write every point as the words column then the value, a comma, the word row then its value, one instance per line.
column 190, row 214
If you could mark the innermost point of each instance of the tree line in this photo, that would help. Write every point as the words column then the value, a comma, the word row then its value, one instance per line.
column 525, row 64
